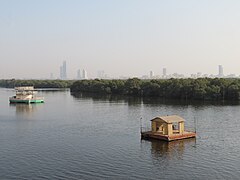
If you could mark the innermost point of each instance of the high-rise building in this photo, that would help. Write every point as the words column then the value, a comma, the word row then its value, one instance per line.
column 101, row 74
column 151, row 74
column 199, row 74
column 63, row 70
column 84, row 74
column 220, row 71
column 164, row 72
column 51, row 76
column 79, row 74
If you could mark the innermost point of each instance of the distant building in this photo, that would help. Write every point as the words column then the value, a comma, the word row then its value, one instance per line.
column 164, row 73
column 124, row 77
column 231, row 76
column 79, row 74
column 101, row 74
column 63, row 70
column 212, row 76
column 199, row 74
column 144, row 77
column 220, row 71
column 194, row 76
column 178, row 76
column 51, row 76
column 84, row 74
column 151, row 74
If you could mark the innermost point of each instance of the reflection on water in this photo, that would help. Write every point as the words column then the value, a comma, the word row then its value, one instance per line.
column 52, row 90
column 170, row 150
column 24, row 109
column 153, row 101
column 108, row 97
column 97, row 137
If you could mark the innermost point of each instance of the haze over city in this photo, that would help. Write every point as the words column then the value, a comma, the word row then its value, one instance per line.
column 123, row 38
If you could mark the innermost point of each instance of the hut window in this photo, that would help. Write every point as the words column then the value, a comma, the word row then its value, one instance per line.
column 175, row 126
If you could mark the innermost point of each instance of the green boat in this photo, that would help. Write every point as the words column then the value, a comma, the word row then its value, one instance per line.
column 26, row 94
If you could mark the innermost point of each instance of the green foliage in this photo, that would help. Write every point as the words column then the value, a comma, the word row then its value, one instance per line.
column 133, row 87
column 11, row 83
column 186, row 89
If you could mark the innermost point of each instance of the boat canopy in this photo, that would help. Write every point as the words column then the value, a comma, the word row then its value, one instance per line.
column 24, row 88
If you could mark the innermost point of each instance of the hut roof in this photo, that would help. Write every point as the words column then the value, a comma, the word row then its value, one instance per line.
column 168, row 119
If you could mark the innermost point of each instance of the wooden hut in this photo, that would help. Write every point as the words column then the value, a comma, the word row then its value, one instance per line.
column 168, row 128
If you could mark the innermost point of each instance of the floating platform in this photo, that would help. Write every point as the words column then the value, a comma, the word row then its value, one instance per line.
column 28, row 101
column 159, row 136
column 167, row 128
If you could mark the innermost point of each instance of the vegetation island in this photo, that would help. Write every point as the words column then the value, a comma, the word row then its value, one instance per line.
column 184, row 89
column 11, row 83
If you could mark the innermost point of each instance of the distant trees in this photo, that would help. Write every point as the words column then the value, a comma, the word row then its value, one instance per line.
column 186, row 89
column 11, row 83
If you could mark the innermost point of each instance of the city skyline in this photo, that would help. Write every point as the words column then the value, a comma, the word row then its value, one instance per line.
column 101, row 74
column 123, row 38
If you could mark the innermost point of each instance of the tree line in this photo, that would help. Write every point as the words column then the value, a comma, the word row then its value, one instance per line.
column 11, row 83
column 185, row 89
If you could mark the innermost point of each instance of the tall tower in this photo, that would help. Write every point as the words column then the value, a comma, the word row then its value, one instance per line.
column 164, row 72
column 61, row 72
column 220, row 71
column 64, row 70
column 51, row 76
column 79, row 74
column 84, row 74
column 151, row 74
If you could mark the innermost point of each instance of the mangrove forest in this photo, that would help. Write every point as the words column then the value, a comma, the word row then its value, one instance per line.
column 184, row 89
column 11, row 83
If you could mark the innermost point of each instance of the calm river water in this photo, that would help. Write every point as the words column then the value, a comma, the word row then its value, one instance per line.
column 85, row 137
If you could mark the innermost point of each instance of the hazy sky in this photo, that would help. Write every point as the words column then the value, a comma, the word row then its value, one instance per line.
column 121, row 37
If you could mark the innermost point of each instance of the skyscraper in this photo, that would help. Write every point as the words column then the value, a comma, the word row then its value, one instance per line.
column 164, row 72
column 63, row 70
column 84, row 74
column 151, row 74
column 51, row 76
column 220, row 71
column 79, row 74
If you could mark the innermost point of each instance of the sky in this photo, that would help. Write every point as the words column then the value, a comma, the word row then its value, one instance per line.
column 121, row 37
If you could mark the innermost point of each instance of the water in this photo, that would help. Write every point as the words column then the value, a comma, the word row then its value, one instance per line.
column 92, row 137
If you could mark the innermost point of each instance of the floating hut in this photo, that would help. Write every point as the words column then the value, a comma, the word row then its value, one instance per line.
column 168, row 128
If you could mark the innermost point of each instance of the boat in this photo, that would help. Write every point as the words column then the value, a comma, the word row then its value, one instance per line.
column 167, row 128
column 25, row 94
